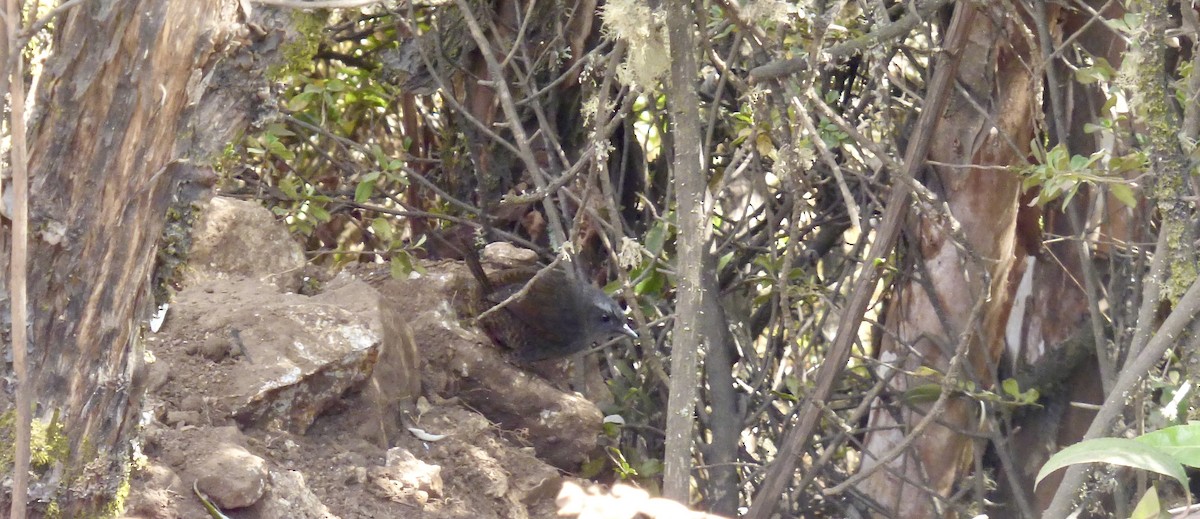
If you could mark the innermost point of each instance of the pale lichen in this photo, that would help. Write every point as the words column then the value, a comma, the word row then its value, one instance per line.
column 648, row 56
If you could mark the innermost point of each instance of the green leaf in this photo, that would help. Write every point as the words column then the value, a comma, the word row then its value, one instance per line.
column 298, row 103
column 923, row 393
column 382, row 229
column 1079, row 162
column 650, row 468
column 1181, row 442
column 288, row 186
column 399, row 268
column 1132, row 162
column 592, row 467
column 656, row 237
column 364, row 190
column 1124, row 193
column 1148, row 506
column 279, row 130
column 652, row 284
column 926, row 371
column 319, row 213
column 1011, row 388
column 1116, row 451
column 279, row 150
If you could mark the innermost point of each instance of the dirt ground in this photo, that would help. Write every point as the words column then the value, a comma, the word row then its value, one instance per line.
column 274, row 391
column 261, row 398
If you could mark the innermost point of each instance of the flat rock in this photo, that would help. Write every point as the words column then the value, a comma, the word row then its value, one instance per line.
column 231, row 476
column 290, row 498
column 239, row 238
column 295, row 355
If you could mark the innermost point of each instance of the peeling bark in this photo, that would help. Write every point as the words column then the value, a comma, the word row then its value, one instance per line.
column 135, row 102
column 930, row 314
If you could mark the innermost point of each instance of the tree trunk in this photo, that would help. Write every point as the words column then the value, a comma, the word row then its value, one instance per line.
column 136, row 102
column 692, row 238
column 959, row 296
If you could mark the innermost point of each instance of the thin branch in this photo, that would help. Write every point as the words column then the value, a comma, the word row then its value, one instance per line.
column 947, row 389
column 885, row 32
column 18, row 276
column 1114, row 404
column 319, row 4
column 509, row 107
column 796, row 439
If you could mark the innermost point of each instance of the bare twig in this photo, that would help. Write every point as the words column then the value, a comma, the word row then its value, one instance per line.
column 319, row 4
column 1114, row 404
column 18, row 275
column 509, row 107
column 947, row 389
column 794, row 443
column 885, row 32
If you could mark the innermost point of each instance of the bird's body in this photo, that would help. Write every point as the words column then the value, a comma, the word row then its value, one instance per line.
column 555, row 317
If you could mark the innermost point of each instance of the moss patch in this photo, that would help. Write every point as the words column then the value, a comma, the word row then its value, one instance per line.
column 298, row 54
column 47, row 443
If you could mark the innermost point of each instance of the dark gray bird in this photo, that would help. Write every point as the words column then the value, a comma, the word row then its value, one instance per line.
column 556, row 317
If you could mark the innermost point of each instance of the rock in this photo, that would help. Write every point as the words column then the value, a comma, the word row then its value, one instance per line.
column 405, row 479
column 215, row 348
column 459, row 361
column 151, row 490
column 356, row 475
column 301, row 354
column 506, row 255
column 620, row 502
column 236, row 238
column 192, row 403
column 178, row 418
column 158, row 374
column 231, row 476
column 290, row 498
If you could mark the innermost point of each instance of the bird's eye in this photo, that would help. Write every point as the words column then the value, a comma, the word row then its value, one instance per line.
column 605, row 317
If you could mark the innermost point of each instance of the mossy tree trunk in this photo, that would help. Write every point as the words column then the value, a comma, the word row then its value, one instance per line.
column 950, row 316
column 134, row 104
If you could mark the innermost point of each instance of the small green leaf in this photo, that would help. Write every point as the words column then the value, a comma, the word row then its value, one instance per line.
column 382, row 229
column 298, row 103
column 1148, row 506
column 319, row 213
column 364, row 190
column 399, row 268
column 592, row 468
column 288, row 186
column 923, row 393
column 650, row 468
column 656, row 237
column 1116, row 451
column 652, row 284
column 1011, row 388
column 1123, row 193
column 926, row 371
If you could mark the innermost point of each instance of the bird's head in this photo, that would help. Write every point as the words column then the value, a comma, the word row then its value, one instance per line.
column 604, row 318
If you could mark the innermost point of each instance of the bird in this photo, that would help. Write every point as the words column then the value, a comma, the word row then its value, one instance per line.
column 554, row 317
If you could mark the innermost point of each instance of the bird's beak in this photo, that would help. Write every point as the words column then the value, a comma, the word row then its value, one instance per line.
column 629, row 331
